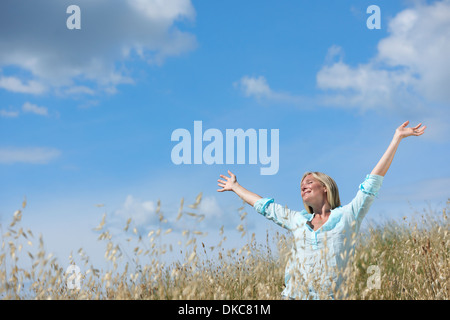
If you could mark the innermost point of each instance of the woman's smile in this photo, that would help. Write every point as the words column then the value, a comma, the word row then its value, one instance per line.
column 310, row 187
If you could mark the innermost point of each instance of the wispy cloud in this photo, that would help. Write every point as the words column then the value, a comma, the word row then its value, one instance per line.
column 17, row 85
column 258, row 88
column 27, row 107
column 409, row 199
column 430, row 189
column 29, row 155
column 32, row 108
column 9, row 113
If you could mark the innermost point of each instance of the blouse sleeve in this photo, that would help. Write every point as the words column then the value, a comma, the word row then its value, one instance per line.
column 365, row 196
column 282, row 216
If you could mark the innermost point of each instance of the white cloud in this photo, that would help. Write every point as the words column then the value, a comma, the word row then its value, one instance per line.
column 32, row 108
column 408, row 76
column 52, row 57
column 210, row 208
column 163, row 10
column 142, row 213
column 8, row 114
column 410, row 72
column 419, row 41
column 257, row 87
column 79, row 90
column 14, row 84
column 30, row 155
column 207, row 217
column 367, row 87
column 334, row 53
column 27, row 107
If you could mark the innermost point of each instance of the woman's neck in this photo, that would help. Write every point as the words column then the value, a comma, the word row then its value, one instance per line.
column 324, row 210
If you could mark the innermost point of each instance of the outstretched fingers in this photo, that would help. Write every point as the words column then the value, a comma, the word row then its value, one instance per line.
column 226, row 183
column 403, row 131
column 417, row 131
column 223, row 183
column 231, row 174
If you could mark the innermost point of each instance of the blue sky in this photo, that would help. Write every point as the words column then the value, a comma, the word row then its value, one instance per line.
column 86, row 116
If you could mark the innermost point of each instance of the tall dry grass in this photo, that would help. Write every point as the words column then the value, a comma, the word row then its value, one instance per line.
column 410, row 256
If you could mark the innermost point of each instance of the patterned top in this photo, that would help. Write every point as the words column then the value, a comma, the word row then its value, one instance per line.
column 314, row 270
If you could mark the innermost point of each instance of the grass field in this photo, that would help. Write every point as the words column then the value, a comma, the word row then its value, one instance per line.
column 411, row 257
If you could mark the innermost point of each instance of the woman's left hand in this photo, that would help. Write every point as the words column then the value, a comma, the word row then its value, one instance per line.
column 403, row 131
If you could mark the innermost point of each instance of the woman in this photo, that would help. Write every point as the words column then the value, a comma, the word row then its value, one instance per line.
column 324, row 232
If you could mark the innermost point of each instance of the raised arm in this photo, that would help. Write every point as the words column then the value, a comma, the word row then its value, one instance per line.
column 401, row 132
column 231, row 184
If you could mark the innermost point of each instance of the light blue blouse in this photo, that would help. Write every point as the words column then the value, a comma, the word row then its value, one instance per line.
column 314, row 269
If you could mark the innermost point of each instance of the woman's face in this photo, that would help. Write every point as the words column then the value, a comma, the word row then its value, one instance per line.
column 312, row 190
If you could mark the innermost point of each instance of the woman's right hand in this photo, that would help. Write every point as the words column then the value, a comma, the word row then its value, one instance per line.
column 228, row 184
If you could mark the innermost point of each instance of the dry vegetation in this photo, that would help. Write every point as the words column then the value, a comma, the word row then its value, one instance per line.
column 412, row 257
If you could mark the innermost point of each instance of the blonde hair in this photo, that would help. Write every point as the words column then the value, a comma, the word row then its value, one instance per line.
column 329, row 184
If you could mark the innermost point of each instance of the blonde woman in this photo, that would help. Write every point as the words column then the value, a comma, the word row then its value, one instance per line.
column 324, row 232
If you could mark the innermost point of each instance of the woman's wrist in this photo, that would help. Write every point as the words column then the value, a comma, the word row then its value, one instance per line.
column 235, row 187
column 397, row 138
